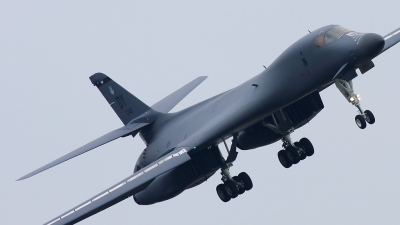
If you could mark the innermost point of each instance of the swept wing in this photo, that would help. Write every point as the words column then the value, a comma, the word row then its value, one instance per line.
column 121, row 132
column 122, row 190
column 169, row 102
column 391, row 39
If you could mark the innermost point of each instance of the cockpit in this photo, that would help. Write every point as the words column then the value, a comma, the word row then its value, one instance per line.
column 330, row 36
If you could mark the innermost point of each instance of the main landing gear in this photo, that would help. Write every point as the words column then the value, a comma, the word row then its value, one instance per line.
column 232, row 186
column 293, row 153
column 364, row 117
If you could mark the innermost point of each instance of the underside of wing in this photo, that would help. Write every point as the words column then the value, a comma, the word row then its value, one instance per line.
column 391, row 39
column 122, row 190
column 121, row 132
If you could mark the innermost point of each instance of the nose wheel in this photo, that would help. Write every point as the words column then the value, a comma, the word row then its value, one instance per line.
column 362, row 120
column 369, row 117
column 364, row 117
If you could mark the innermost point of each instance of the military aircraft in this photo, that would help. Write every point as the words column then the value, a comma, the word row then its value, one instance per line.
column 182, row 148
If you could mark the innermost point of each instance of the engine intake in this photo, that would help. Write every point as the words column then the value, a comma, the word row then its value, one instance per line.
column 292, row 116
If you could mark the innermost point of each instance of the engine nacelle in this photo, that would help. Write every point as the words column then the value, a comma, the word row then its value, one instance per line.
column 256, row 136
column 292, row 116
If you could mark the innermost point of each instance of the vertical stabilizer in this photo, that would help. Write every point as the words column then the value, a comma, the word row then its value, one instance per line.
column 124, row 104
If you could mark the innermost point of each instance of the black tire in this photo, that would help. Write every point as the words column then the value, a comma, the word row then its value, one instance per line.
column 222, row 194
column 241, row 189
column 303, row 154
column 248, row 183
column 283, row 159
column 369, row 117
column 293, row 154
column 308, row 146
column 360, row 121
column 231, row 188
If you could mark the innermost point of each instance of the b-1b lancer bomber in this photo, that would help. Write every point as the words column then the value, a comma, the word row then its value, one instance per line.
column 182, row 148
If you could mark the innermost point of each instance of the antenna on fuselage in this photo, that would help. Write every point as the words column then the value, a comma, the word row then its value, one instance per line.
column 264, row 67
column 309, row 31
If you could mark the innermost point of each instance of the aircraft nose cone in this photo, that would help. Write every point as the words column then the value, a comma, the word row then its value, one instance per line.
column 371, row 44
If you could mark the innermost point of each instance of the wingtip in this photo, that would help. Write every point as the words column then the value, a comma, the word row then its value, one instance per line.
column 27, row 176
column 22, row 178
column 202, row 78
column 30, row 174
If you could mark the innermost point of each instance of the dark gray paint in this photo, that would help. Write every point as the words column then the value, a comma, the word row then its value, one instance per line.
column 297, row 72
column 121, row 132
column 169, row 102
column 391, row 39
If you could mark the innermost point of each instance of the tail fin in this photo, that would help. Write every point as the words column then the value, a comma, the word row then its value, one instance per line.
column 124, row 104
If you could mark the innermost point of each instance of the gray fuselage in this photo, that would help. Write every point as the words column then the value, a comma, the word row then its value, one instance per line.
column 300, row 70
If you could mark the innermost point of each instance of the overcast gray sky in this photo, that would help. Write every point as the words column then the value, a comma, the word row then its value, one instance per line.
column 48, row 49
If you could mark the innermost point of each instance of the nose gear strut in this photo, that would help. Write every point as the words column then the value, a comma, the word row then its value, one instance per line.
column 364, row 117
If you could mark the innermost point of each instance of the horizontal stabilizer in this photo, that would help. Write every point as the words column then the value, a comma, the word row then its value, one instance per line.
column 391, row 39
column 169, row 102
column 121, row 132
column 122, row 190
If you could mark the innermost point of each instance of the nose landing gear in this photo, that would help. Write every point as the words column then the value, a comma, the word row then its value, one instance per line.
column 232, row 186
column 364, row 117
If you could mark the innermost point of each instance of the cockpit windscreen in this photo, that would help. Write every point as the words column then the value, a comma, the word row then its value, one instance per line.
column 330, row 36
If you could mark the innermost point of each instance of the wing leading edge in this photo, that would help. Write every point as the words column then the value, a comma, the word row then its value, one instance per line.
column 122, row 190
column 169, row 102
column 121, row 132
column 391, row 39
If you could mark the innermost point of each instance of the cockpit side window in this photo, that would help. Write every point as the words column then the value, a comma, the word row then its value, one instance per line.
column 319, row 41
column 330, row 36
